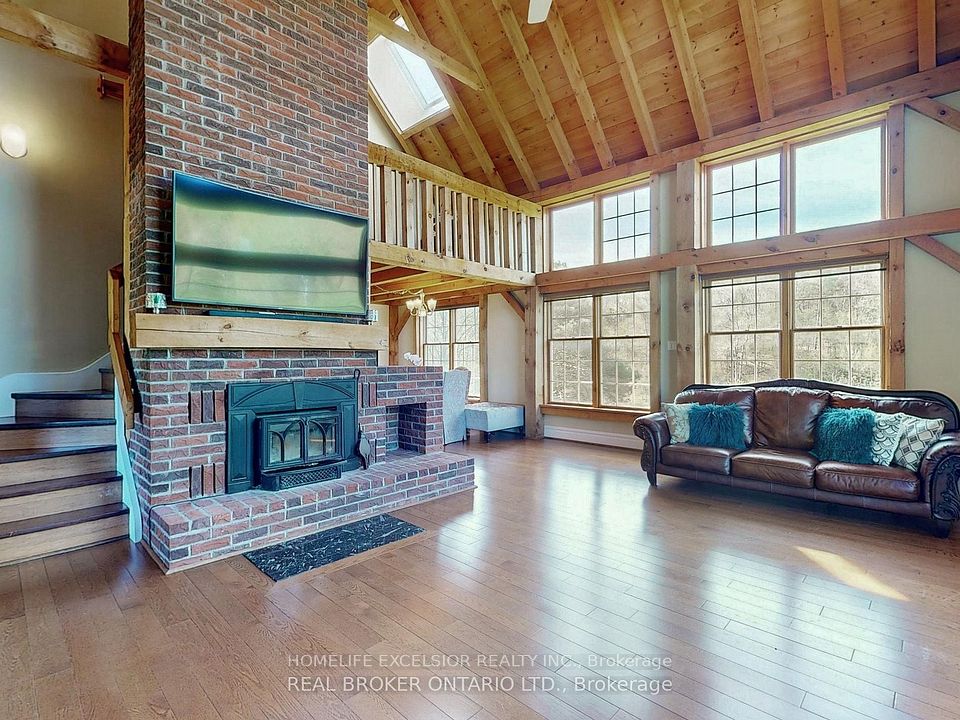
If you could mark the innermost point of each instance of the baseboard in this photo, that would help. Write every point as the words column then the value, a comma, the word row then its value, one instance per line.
column 593, row 437
column 84, row 378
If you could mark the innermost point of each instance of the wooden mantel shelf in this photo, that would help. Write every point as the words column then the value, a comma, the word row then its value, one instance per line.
column 203, row 331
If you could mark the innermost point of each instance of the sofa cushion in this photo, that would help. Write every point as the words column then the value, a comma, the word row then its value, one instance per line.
column 892, row 405
column 783, row 466
column 717, row 426
column 786, row 417
column 845, row 435
column 741, row 396
column 696, row 457
column 886, row 438
column 892, row 483
column 916, row 436
column 678, row 420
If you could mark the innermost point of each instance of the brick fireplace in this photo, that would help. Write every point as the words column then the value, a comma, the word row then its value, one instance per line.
column 271, row 97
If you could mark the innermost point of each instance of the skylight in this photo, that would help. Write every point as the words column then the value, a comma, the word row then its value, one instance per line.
column 404, row 83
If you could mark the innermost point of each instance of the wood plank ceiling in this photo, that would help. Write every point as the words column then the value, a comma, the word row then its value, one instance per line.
column 604, row 82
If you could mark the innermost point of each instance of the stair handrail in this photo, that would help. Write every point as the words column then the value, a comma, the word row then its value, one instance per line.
column 119, row 350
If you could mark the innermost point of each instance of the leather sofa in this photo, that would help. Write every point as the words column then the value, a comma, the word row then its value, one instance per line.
column 780, row 420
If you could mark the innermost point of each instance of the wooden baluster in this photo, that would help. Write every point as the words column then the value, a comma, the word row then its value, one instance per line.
column 411, row 196
column 390, row 207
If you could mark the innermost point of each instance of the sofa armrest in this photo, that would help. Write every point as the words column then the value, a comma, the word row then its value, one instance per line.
column 655, row 433
column 940, row 472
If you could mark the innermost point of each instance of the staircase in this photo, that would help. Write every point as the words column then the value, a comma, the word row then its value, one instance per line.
column 59, row 487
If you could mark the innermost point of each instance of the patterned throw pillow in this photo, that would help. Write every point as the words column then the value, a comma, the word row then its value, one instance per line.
column 678, row 420
column 886, row 437
column 918, row 435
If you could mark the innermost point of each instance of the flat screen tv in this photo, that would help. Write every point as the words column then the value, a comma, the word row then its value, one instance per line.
column 239, row 248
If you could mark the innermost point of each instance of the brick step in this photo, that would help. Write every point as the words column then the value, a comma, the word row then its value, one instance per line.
column 51, row 534
column 28, row 433
column 51, row 497
column 65, row 404
column 106, row 379
column 28, row 466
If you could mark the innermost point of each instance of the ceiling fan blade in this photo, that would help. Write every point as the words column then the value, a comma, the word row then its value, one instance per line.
column 539, row 9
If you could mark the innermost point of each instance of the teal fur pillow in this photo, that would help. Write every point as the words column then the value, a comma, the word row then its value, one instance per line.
column 845, row 436
column 717, row 426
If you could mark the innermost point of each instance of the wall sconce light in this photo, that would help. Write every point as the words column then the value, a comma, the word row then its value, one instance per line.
column 13, row 141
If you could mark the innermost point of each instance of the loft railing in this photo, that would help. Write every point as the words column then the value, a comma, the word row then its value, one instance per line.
column 119, row 350
column 421, row 206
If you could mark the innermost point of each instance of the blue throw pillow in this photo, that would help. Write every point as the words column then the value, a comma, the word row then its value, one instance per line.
column 845, row 436
column 717, row 426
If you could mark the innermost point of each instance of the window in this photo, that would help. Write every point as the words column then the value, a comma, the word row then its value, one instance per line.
column 623, row 219
column 598, row 350
column 404, row 83
column 626, row 225
column 826, row 182
column 832, row 330
column 452, row 340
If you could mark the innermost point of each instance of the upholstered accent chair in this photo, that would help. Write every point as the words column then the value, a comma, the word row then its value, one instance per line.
column 456, row 387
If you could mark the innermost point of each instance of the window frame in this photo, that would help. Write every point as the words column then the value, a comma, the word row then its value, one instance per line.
column 595, row 340
column 452, row 344
column 788, row 178
column 596, row 198
column 788, row 327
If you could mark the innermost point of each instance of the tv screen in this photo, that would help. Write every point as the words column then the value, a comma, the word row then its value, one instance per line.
column 239, row 248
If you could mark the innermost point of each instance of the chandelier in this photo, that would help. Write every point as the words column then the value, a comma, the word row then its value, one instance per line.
column 421, row 305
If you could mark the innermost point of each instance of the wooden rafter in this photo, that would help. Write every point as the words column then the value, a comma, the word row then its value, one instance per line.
column 380, row 24
column 408, row 146
column 444, row 154
column 692, row 81
column 926, row 34
column 945, row 254
column 831, row 27
column 452, row 22
column 936, row 111
column 941, row 80
column 628, row 74
column 508, row 20
column 515, row 304
column 457, row 108
column 571, row 66
column 758, row 67
column 29, row 27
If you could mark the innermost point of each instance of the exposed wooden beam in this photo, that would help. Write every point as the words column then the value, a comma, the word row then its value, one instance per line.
column 855, row 253
column 29, row 27
column 895, row 370
column 452, row 22
column 515, row 304
column 443, row 288
column 831, row 27
column 410, row 257
column 508, row 21
column 445, row 158
column 926, row 34
column 534, row 379
column 692, row 80
column 571, row 66
column 380, row 24
column 945, row 254
column 758, row 66
column 941, row 80
column 404, row 142
column 110, row 89
column 925, row 224
column 457, row 108
column 629, row 76
column 380, row 155
column 896, row 160
column 936, row 111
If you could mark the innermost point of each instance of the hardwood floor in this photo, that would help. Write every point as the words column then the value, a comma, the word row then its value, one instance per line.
column 732, row 604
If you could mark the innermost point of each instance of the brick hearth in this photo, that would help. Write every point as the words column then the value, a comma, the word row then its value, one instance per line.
column 178, row 450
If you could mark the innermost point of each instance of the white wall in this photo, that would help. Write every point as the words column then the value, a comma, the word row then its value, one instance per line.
column 932, row 289
column 61, row 206
column 377, row 129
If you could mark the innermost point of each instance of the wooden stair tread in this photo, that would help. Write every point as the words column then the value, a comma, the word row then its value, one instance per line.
column 63, row 395
column 64, row 483
column 35, row 423
column 49, row 522
column 12, row 456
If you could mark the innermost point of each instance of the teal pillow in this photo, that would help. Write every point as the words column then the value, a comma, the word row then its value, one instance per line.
column 845, row 436
column 717, row 426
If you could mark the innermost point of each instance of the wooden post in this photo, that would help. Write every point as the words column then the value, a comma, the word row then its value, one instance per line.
column 687, row 219
column 482, row 328
column 656, row 381
column 896, row 374
column 534, row 363
column 399, row 316
column 895, row 161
